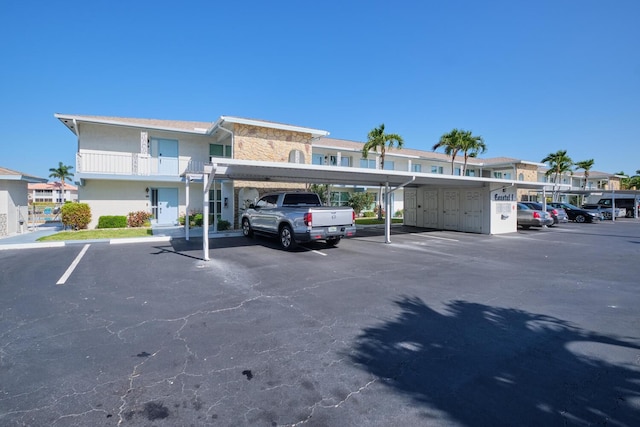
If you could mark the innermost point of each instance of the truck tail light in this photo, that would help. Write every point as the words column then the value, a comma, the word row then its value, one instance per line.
column 353, row 217
column 536, row 214
column 308, row 219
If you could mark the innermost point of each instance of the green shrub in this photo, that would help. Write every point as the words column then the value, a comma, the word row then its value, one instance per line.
column 112, row 221
column 360, row 201
column 369, row 214
column 195, row 220
column 138, row 219
column 76, row 215
column 399, row 213
column 223, row 225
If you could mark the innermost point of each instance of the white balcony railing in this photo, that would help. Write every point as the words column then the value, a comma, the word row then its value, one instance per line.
column 135, row 164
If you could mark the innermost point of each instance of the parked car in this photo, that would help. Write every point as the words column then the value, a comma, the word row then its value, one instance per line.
column 604, row 213
column 575, row 213
column 528, row 217
column 558, row 214
column 624, row 206
column 297, row 217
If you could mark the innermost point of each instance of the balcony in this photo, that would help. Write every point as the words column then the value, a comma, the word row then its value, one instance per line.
column 134, row 164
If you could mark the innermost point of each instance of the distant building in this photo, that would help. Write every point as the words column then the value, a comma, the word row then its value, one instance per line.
column 51, row 192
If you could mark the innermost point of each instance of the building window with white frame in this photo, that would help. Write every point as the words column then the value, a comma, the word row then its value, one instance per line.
column 219, row 150
column 416, row 167
column 368, row 163
column 437, row 169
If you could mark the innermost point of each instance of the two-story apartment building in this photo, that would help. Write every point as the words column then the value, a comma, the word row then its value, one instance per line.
column 125, row 165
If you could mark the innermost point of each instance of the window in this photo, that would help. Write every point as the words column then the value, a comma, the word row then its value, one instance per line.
column 270, row 201
column 368, row 163
column 437, row 169
column 332, row 160
column 470, row 172
column 506, row 175
column 296, row 156
column 345, row 161
column 497, row 175
column 457, row 171
column 317, row 159
column 521, row 177
column 215, row 203
column 339, row 198
column 219, row 150
column 416, row 167
column 389, row 165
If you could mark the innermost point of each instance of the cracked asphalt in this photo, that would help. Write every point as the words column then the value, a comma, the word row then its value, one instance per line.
column 539, row 327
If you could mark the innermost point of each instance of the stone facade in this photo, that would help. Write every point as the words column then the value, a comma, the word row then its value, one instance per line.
column 529, row 173
column 269, row 145
column 4, row 227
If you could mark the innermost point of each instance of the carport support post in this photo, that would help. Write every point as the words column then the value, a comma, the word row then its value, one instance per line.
column 387, row 215
column 186, row 215
column 209, row 172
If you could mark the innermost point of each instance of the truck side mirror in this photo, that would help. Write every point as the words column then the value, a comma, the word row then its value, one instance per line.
column 252, row 206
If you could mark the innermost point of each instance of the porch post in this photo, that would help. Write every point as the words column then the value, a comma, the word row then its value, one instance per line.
column 186, row 215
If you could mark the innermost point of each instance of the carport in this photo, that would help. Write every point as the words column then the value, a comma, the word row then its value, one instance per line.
column 490, row 203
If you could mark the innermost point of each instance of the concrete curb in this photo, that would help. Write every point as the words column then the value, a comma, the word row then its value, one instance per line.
column 123, row 241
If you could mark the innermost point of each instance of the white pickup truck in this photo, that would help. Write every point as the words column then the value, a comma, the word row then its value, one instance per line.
column 298, row 217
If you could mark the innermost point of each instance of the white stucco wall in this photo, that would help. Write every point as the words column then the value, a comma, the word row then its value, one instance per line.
column 13, row 195
column 503, row 213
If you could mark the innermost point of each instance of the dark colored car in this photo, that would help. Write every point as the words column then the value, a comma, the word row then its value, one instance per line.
column 575, row 213
column 558, row 214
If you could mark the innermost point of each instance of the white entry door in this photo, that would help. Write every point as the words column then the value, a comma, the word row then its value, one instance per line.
column 410, row 204
column 451, row 211
column 472, row 211
column 430, row 210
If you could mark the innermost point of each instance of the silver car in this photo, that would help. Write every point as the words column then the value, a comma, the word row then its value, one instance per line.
column 558, row 214
column 528, row 217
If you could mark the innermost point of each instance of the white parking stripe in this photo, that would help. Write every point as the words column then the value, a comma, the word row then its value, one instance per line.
column 73, row 266
column 428, row 236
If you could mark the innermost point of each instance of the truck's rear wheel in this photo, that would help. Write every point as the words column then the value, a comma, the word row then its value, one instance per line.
column 246, row 228
column 333, row 241
column 286, row 238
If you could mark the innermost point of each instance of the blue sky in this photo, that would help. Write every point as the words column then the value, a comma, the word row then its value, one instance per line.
column 530, row 77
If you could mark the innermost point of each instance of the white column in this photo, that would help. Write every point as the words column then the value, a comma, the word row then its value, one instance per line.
column 186, row 215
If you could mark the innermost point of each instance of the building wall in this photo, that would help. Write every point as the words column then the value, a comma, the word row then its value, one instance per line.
column 116, row 139
column 529, row 173
column 13, row 196
column 269, row 145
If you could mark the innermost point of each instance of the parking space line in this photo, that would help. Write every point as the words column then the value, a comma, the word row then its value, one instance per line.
column 436, row 237
column 73, row 266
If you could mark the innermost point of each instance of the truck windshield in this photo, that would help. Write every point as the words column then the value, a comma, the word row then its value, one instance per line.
column 302, row 199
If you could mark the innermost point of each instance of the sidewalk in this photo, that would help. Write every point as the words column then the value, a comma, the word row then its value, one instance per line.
column 30, row 238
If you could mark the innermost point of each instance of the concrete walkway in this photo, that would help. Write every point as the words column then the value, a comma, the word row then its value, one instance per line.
column 30, row 238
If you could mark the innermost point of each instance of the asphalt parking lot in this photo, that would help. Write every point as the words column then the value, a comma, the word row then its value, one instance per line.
column 539, row 327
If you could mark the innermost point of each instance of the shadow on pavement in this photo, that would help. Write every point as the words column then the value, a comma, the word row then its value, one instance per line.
column 485, row 365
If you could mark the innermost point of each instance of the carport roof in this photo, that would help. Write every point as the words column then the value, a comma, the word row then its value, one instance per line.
column 249, row 170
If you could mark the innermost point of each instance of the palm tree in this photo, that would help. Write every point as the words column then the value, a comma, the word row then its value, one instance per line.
column 452, row 143
column 586, row 165
column 62, row 173
column 377, row 139
column 471, row 146
column 559, row 163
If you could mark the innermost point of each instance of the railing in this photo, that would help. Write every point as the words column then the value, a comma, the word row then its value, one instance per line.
column 135, row 164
